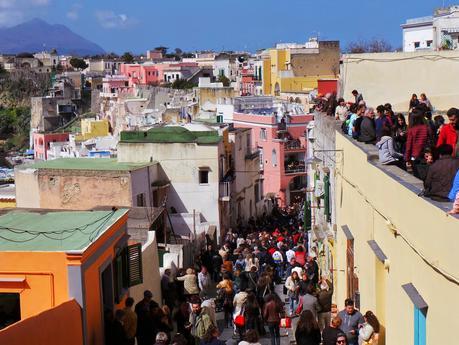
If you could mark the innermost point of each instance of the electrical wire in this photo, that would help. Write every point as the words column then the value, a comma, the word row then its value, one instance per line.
column 71, row 232
column 448, row 276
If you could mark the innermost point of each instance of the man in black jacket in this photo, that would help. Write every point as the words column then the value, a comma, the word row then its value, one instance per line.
column 324, row 297
column 440, row 175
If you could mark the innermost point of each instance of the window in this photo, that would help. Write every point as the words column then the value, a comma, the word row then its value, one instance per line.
column 128, row 269
column 417, row 45
column 141, row 199
column 429, row 43
column 203, row 175
column 274, row 157
column 263, row 133
column 10, row 309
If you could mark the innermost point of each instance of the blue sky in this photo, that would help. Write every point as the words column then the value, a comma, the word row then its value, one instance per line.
column 138, row 25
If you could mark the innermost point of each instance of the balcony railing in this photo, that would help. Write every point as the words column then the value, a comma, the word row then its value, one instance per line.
column 295, row 167
column 294, row 144
column 225, row 191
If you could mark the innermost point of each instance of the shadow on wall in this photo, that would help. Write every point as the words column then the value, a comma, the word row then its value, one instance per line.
column 173, row 200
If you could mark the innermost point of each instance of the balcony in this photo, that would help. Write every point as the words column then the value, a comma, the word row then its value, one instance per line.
column 251, row 155
column 294, row 167
column 225, row 191
column 294, row 145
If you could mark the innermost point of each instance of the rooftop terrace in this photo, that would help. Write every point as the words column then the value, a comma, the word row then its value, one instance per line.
column 97, row 164
column 174, row 134
column 53, row 231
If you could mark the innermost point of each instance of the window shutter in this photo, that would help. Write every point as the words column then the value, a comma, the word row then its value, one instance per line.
column 134, row 264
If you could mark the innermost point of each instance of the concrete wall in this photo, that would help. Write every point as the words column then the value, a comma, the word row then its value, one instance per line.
column 27, row 190
column 322, row 64
column 180, row 164
column 150, row 270
column 56, row 326
column 82, row 190
column 393, row 77
column 369, row 198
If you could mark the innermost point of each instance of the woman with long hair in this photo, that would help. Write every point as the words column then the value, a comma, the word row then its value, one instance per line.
column 400, row 130
column 417, row 140
column 272, row 313
column 292, row 284
column 252, row 312
column 369, row 332
column 307, row 330
column 226, row 285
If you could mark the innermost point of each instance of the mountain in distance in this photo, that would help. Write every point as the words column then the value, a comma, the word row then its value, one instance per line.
column 36, row 35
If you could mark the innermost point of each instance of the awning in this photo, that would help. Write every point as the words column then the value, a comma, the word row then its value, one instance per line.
column 377, row 250
column 415, row 297
column 347, row 232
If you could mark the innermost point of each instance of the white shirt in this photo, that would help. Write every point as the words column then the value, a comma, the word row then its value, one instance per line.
column 204, row 281
column 290, row 254
column 277, row 256
column 341, row 112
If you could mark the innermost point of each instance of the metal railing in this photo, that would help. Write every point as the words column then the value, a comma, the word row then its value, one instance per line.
column 295, row 167
column 294, row 144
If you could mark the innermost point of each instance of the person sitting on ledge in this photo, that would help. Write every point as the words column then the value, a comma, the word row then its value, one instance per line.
column 441, row 174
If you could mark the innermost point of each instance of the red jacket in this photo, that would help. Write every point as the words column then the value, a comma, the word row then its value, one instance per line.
column 416, row 141
column 448, row 135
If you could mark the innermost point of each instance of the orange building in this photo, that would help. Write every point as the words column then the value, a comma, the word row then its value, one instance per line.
column 50, row 257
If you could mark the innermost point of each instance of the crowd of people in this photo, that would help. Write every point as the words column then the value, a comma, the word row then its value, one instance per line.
column 239, row 280
column 419, row 142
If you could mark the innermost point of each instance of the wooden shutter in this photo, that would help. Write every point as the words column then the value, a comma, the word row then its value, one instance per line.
column 134, row 264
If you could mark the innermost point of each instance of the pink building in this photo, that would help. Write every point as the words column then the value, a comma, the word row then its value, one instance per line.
column 141, row 74
column 282, row 147
column 115, row 84
column 41, row 143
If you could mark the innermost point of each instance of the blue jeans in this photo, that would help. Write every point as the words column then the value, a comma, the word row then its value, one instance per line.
column 274, row 332
column 293, row 304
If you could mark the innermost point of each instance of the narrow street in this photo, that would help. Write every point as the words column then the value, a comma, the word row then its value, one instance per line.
column 287, row 335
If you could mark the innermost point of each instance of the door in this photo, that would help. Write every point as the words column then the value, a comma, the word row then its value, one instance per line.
column 107, row 288
column 351, row 277
column 419, row 326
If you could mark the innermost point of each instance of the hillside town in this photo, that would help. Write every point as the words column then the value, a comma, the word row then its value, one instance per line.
column 306, row 193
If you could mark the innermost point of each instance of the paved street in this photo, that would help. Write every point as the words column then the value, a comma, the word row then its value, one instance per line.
column 287, row 336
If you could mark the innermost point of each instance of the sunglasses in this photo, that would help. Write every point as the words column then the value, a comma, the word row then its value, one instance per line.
column 341, row 341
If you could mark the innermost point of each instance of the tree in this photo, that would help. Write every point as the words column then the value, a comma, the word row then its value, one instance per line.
column 162, row 49
column 178, row 52
column 182, row 84
column 127, row 57
column 224, row 79
column 78, row 63
column 374, row 45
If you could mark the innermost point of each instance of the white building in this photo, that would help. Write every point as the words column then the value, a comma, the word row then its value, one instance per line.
column 437, row 32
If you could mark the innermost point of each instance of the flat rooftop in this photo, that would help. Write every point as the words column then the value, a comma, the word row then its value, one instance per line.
column 97, row 164
column 53, row 230
column 171, row 135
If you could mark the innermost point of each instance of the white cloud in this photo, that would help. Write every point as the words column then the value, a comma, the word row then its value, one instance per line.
column 74, row 12
column 110, row 20
column 15, row 11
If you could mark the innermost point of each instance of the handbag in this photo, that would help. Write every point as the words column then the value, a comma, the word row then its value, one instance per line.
column 239, row 320
column 285, row 322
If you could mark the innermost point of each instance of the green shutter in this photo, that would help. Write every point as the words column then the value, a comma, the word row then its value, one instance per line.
column 134, row 265
column 327, row 198
column 307, row 215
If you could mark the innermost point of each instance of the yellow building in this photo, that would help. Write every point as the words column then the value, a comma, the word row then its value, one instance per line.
column 396, row 252
column 295, row 68
column 91, row 128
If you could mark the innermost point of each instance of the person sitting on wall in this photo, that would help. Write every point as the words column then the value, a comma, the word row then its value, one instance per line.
column 441, row 174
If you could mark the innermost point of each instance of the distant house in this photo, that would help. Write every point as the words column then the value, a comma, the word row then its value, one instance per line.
column 437, row 32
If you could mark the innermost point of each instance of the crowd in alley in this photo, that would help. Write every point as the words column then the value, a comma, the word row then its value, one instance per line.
column 261, row 279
